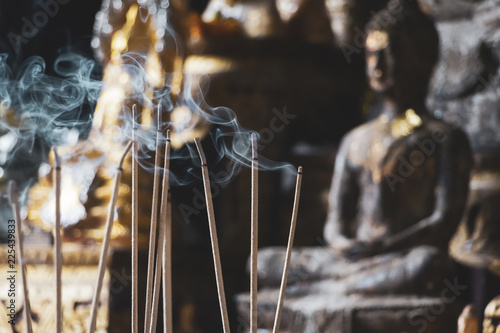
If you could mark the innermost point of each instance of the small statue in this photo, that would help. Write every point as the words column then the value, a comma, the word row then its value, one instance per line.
column 401, row 180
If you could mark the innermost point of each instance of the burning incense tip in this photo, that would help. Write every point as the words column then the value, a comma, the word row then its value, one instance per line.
column 134, row 115
column 300, row 170
column 168, row 135
column 255, row 155
column 12, row 192
column 159, row 119
column 127, row 149
column 57, row 159
column 197, row 141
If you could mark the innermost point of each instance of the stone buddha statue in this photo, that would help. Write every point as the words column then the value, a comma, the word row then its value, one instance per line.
column 400, row 181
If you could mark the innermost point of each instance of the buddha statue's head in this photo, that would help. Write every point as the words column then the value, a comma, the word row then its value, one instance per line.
column 401, row 50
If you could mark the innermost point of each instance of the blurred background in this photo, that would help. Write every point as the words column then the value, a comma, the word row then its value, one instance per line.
column 291, row 70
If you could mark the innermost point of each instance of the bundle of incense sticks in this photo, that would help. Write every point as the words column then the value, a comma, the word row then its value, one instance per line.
column 254, row 241
column 162, row 271
column 163, row 268
column 163, row 255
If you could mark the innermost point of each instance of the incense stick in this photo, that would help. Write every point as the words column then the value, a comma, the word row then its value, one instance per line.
column 167, row 249
column 167, row 270
column 291, row 236
column 103, row 260
column 254, row 235
column 154, row 218
column 57, row 247
column 161, row 238
column 18, row 234
column 157, row 277
column 135, row 227
column 213, row 237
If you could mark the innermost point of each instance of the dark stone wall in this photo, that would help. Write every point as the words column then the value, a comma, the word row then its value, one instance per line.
column 466, row 85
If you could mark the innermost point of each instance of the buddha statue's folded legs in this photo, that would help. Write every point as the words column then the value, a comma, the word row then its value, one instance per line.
column 420, row 270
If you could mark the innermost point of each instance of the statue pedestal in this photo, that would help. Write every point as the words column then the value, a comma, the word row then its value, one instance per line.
column 323, row 307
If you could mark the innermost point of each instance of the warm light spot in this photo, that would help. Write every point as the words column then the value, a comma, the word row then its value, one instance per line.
column 255, row 24
column 118, row 230
column 7, row 144
column 177, row 79
column 123, row 78
column 207, row 65
column 119, row 42
column 287, row 8
column 124, row 189
column 181, row 117
column 44, row 170
column 187, row 126
column 109, row 106
column 131, row 15
column 72, row 210
column 405, row 124
column 413, row 118
column 154, row 74
column 377, row 40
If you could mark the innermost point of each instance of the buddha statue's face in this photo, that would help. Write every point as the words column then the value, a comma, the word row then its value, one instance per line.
column 379, row 61
column 398, row 66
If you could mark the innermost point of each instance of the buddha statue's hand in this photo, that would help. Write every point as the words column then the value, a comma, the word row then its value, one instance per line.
column 361, row 249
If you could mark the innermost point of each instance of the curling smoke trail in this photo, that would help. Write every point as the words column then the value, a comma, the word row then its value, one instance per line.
column 50, row 109
column 37, row 108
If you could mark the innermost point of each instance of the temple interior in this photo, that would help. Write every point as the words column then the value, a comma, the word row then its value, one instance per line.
column 294, row 166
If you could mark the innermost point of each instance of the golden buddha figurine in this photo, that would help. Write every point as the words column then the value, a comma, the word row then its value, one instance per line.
column 138, row 43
